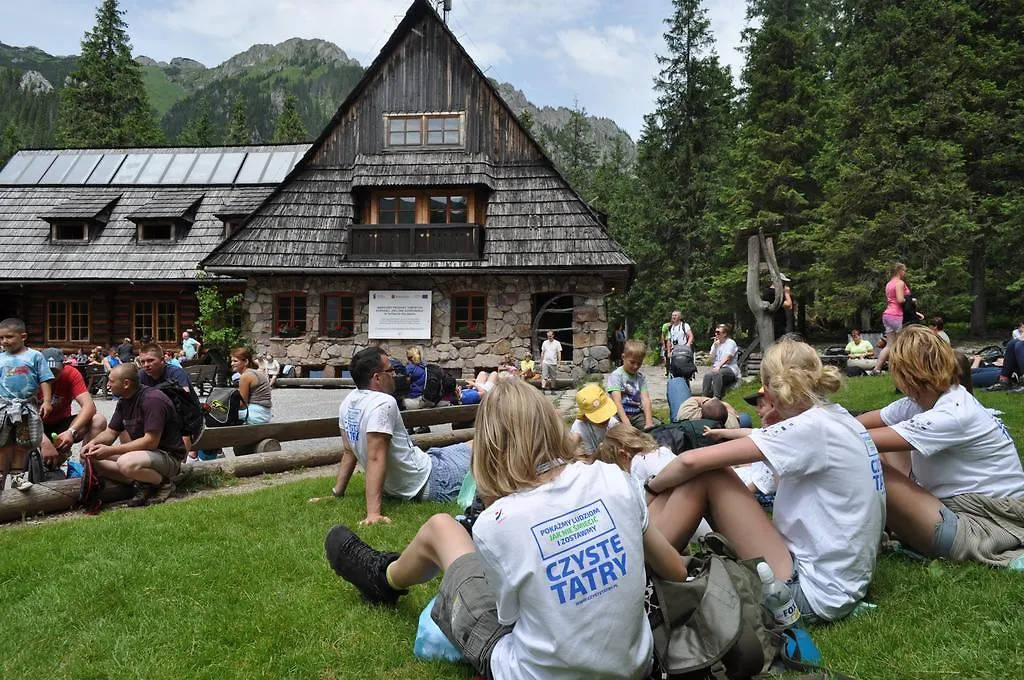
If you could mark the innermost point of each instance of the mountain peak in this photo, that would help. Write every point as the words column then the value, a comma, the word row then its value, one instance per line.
column 290, row 50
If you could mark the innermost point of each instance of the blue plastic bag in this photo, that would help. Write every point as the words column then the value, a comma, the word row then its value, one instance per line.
column 431, row 643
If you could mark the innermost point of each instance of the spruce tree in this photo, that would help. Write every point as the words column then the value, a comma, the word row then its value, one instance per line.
column 239, row 132
column 105, row 103
column 200, row 131
column 288, row 127
column 680, row 157
column 10, row 141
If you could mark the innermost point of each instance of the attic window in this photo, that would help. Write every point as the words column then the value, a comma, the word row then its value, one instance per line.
column 74, row 232
column 423, row 130
column 156, row 232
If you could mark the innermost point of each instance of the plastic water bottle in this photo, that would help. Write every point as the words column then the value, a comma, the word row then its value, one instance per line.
column 778, row 597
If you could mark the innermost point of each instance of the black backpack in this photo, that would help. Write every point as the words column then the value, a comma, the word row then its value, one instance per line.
column 680, row 362
column 186, row 405
column 684, row 435
column 222, row 407
column 438, row 384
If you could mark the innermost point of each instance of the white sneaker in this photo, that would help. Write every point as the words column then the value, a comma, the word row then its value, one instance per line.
column 19, row 481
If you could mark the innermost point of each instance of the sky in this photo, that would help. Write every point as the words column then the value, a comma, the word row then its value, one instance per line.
column 599, row 54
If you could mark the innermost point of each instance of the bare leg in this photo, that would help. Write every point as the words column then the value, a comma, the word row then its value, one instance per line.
column 731, row 509
column 136, row 466
column 910, row 511
column 898, row 460
column 481, row 378
column 439, row 542
column 108, row 469
column 96, row 426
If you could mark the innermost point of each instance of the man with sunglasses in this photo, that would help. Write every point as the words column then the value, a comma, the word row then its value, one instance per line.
column 373, row 435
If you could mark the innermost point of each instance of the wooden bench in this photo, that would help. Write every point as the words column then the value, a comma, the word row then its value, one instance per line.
column 246, row 439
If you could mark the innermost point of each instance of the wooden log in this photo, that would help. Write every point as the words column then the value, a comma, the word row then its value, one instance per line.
column 62, row 494
column 336, row 383
column 317, row 428
column 282, row 461
column 55, row 496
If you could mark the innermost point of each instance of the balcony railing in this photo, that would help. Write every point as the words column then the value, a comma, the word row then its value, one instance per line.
column 415, row 242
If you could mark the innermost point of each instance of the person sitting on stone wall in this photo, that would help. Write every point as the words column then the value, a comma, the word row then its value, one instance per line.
column 373, row 435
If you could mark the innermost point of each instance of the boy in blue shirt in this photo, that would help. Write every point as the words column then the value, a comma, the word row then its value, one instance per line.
column 23, row 373
column 627, row 387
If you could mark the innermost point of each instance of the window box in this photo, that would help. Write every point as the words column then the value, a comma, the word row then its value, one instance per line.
column 469, row 316
column 340, row 331
column 289, row 332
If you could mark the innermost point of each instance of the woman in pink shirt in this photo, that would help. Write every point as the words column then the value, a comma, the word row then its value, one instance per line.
column 896, row 293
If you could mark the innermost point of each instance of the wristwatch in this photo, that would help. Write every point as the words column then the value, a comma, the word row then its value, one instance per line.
column 74, row 434
column 647, row 486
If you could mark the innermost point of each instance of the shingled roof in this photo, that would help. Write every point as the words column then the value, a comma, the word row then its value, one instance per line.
column 27, row 207
column 535, row 222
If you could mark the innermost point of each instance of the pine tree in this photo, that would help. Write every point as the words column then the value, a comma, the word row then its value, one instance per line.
column 288, row 127
column 105, row 104
column 575, row 151
column 239, row 131
column 200, row 131
column 10, row 142
column 679, row 164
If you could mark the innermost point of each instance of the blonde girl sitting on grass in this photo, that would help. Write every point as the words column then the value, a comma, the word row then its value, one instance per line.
column 560, row 547
column 965, row 499
column 830, row 504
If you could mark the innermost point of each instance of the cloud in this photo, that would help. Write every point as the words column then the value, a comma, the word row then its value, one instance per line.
column 613, row 52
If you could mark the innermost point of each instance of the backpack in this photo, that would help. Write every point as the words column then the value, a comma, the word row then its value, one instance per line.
column 186, row 406
column 438, row 384
column 715, row 625
column 681, row 362
column 222, row 407
column 91, row 490
column 683, row 435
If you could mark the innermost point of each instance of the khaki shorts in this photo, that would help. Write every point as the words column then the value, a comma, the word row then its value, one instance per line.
column 164, row 463
column 550, row 371
column 466, row 611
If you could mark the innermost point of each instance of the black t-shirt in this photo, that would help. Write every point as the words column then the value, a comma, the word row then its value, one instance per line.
column 125, row 352
column 150, row 410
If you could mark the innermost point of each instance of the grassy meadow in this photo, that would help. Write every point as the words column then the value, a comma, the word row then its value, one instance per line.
column 236, row 586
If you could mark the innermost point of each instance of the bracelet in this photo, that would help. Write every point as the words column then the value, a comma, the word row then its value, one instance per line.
column 647, row 486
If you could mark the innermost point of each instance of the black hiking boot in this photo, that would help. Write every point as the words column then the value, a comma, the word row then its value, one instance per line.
column 362, row 566
column 144, row 492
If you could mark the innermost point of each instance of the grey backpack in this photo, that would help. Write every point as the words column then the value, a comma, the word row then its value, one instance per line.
column 712, row 625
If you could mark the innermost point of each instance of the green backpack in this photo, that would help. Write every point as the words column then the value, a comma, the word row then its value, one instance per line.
column 714, row 624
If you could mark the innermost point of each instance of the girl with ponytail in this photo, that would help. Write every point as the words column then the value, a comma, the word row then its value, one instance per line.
column 830, row 504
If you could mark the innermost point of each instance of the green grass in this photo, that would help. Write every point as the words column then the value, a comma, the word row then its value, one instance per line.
column 163, row 92
column 236, row 586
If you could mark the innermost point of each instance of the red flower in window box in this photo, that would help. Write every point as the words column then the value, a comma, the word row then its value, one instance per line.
column 340, row 330
column 288, row 331
column 470, row 331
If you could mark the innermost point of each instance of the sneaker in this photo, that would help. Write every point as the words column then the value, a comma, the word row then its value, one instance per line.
column 362, row 566
column 19, row 481
column 162, row 493
column 143, row 493
column 1019, row 389
column 1000, row 386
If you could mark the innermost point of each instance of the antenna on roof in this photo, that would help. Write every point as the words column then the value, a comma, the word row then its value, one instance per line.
column 446, row 6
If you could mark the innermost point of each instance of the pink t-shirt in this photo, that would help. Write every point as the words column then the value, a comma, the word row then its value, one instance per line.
column 893, row 307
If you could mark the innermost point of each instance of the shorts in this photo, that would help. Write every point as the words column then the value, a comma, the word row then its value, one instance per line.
column 466, row 611
column 163, row 463
column 449, row 465
column 891, row 324
column 57, row 426
column 550, row 371
column 27, row 433
column 944, row 533
column 806, row 610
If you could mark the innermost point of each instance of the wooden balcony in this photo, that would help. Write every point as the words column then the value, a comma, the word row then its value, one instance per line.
column 415, row 242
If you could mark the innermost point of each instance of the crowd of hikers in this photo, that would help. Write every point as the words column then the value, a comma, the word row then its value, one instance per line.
column 571, row 513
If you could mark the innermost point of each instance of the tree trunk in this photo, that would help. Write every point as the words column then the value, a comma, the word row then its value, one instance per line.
column 758, row 247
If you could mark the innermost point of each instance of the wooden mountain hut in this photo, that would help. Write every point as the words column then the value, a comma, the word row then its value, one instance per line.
column 425, row 214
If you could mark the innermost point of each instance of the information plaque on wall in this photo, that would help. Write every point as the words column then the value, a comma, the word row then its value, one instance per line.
column 400, row 314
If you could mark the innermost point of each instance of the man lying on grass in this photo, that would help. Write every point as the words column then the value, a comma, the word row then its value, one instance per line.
column 373, row 434
column 513, row 598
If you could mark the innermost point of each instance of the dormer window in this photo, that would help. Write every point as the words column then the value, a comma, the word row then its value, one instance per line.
column 70, row 232
column 425, row 130
column 156, row 231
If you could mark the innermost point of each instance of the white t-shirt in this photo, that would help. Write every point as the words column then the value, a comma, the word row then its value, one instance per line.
column 550, row 352
column 365, row 411
column 958, row 446
column 651, row 463
column 567, row 562
column 723, row 349
column 678, row 334
column 591, row 435
column 758, row 474
column 830, row 503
